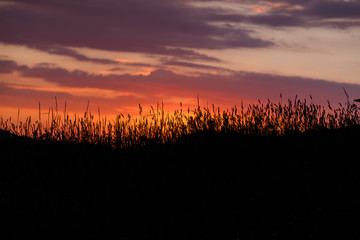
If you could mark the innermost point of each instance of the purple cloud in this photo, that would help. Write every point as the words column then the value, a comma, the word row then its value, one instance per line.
column 296, row 13
column 155, row 27
column 9, row 66
column 57, row 50
column 333, row 9
column 172, row 28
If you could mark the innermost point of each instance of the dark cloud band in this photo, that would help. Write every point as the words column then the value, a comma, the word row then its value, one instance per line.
column 155, row 27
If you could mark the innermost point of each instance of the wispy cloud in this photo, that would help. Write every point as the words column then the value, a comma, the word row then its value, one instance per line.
column 57, row 50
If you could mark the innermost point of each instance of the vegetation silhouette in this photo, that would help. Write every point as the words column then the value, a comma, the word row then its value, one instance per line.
column 272, row 170
column 159, row 126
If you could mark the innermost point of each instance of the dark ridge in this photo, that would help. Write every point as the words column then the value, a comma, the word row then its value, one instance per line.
column 204, row 186
column 7, row 136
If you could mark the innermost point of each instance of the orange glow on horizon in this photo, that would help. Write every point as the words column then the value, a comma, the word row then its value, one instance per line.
column 168, row 105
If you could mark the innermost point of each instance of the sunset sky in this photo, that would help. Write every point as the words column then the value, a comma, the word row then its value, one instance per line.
column 121, row 53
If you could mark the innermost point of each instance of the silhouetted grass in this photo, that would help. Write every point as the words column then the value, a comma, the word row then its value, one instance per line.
column 159, row 126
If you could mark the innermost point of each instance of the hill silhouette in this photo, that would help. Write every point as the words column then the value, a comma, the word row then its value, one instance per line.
column 206, row 185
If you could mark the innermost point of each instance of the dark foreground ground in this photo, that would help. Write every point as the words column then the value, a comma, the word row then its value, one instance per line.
column 203, row 187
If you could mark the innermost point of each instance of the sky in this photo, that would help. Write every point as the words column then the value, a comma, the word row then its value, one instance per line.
column 117, row 54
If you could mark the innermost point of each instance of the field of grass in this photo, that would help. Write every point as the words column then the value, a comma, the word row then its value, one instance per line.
column 287, row 170
column 159, row 126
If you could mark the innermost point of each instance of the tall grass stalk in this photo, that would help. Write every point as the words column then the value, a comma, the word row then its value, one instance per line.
column 159, row 126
